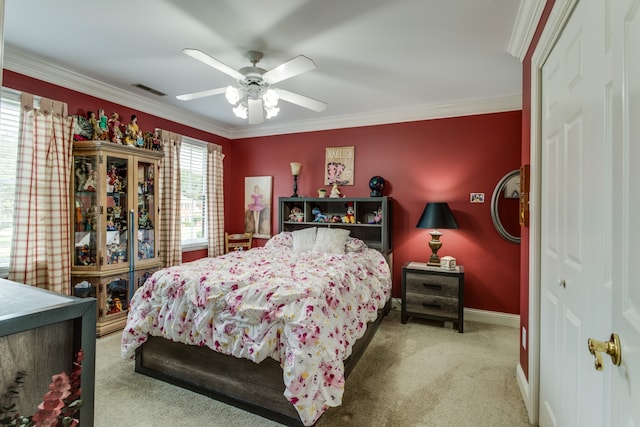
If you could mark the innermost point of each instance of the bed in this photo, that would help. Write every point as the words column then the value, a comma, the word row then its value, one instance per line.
column 287, row 322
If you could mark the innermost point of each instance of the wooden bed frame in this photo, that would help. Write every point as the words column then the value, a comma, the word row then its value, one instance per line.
column 254, row 387
column 259, row 388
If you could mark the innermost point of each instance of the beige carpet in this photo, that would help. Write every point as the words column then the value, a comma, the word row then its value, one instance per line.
column 417, row 374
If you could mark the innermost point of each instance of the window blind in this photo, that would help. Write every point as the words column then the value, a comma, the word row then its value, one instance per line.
column 193, row 186
column 9, row 133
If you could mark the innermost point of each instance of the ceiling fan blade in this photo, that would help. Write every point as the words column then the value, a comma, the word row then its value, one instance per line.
column 256, row 116
column 201, row 94
column 212, row 62
column 298, row 65
column 301, row 100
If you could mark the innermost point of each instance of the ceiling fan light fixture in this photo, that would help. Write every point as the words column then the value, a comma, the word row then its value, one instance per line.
column 270, row 99
column 271, row 111
column 252, row 96
column 233, row 95
column 240, row 111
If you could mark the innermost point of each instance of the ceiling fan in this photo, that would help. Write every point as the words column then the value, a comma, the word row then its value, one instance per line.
column 254, row 92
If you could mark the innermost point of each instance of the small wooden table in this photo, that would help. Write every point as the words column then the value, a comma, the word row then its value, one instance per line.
column 433, row 293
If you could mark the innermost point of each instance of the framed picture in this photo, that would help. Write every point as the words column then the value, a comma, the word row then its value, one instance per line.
column 339, row 166
column 476, row 197
column 257, row 206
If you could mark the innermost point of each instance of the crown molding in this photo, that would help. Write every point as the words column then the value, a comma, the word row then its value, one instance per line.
column 37, row 68
column 409, row 114
column 524, row 28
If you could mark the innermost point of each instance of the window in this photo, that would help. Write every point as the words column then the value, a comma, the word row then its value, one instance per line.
column 193, row 185
column 9, row 128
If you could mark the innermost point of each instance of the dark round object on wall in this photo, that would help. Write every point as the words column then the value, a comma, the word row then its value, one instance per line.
column 376, row 184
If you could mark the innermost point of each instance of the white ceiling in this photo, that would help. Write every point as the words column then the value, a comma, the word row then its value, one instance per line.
column 378, row 61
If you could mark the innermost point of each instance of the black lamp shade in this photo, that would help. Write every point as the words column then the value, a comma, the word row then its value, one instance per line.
column 437, row 215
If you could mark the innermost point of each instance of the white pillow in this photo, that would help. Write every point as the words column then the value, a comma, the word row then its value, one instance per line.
column 331, row 240
column 280, row 240
column 303, row 240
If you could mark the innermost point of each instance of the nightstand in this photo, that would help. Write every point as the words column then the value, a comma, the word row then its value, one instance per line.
column 433, row 293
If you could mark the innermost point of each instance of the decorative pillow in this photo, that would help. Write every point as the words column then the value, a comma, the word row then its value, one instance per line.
column 331, row 240
column 303, row 240
column 354, row 244
column 283, row 239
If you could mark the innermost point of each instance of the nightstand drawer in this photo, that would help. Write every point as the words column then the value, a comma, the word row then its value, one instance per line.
column 432, row 305
column 433, row 293
column 445, row 286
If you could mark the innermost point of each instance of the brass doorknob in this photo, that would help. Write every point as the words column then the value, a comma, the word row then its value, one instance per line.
column 611, row 347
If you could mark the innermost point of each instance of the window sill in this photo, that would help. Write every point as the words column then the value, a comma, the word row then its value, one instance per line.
column 196, row 246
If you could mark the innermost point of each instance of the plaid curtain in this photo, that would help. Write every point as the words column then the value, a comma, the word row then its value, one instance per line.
column 40, row 248
column 170, row 239
column 215, row 201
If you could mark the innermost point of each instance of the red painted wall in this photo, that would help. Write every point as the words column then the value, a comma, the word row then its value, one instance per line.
column 526, row 159
column 433, row 160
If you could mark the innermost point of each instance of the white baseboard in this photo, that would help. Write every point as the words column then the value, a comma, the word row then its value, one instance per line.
column 524, row 389
column 475, row 315
column 492, row 317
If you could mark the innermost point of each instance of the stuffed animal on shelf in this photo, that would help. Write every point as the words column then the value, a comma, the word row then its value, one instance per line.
column 319, row 216
column 296, row 214
column 349, row 218
column 377, row 217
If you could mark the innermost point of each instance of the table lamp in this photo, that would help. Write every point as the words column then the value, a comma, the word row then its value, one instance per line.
column 436, row 215
column 295, row 171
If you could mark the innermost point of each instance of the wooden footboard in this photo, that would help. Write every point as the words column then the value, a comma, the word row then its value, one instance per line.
column 257, row 388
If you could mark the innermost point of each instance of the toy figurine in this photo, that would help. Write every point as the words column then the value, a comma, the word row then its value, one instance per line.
column 94, row 125
column 115, row 131
column 81, row 176
column 103, row 125
column 155, row 142
column 319, row 216
column 296, row 214
column 112, row 176
column 349, row 218
column 84, row 255
column 140, row 140
column 91, row 182
column 335, row 191
column 377, row 216
column 144, row 221
column 131, row 134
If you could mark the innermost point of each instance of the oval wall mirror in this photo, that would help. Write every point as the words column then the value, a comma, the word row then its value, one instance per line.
column 505, row 206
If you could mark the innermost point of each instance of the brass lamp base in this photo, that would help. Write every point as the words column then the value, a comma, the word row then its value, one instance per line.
column 435, row 244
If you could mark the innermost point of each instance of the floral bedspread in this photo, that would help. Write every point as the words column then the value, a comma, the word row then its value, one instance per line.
column 304, row 310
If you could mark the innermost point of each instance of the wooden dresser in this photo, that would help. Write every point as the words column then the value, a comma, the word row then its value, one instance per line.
column 433, row 293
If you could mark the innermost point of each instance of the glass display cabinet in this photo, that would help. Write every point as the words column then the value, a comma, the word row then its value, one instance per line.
column 115, row 212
